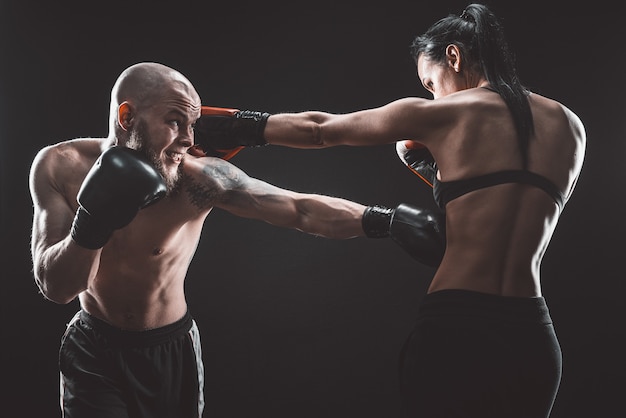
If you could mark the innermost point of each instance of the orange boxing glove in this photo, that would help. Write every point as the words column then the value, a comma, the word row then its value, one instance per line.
column 223, row 132
column 418, row 159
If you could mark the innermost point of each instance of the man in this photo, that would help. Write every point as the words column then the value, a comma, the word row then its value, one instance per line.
column 116, row 223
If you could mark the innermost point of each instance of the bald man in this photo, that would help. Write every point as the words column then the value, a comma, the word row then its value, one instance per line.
column 116, row 223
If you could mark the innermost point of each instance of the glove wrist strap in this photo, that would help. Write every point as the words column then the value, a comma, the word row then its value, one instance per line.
column 376, row 220
column 250, row 127
column 87, row 232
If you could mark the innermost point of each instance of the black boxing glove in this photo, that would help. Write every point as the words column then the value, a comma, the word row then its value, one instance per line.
column 420, row 232
column 121, row 182
column 222, row 132
column 418, row 159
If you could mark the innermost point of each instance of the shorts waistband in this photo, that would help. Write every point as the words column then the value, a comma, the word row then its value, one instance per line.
column 154, row 336
column 471, row 303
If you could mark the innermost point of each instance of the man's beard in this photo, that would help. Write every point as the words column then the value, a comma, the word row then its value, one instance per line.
column 138, row 141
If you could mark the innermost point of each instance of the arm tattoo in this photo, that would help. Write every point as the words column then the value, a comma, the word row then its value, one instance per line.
column 217, row 180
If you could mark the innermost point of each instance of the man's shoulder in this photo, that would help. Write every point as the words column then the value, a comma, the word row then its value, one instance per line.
column 70, row 156
column 206, row 164
column 72, row 150
column 212, row 172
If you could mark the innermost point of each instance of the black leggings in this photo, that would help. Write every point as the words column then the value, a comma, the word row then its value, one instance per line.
column 480, row 356
column 107, row 372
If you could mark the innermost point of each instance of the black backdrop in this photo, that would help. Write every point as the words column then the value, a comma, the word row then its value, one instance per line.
column 294, row 325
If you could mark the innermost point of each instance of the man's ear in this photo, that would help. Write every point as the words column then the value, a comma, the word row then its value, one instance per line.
column 453, row 56
column 125, row 116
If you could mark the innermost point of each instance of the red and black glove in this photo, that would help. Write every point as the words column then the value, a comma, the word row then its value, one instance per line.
column 418, row 159
column 223, row 132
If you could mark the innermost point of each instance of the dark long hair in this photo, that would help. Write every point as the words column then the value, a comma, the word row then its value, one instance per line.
column 479, row 35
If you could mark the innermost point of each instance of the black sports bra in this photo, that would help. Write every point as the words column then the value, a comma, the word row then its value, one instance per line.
column 444, row 192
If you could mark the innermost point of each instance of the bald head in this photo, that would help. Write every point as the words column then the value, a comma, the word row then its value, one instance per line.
column 144, row 84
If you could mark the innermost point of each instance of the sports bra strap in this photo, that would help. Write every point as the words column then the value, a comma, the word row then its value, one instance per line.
column 444, row 192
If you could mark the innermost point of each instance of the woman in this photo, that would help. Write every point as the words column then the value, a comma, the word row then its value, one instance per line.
column 506, row 162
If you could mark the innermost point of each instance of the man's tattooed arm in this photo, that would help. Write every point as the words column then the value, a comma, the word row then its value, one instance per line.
column 217, row 178
column 221, row 184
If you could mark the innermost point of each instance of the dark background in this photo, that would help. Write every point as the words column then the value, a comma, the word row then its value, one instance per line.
column 292, row 325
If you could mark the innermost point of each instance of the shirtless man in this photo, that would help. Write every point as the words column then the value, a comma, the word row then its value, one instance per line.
column 116, row 223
